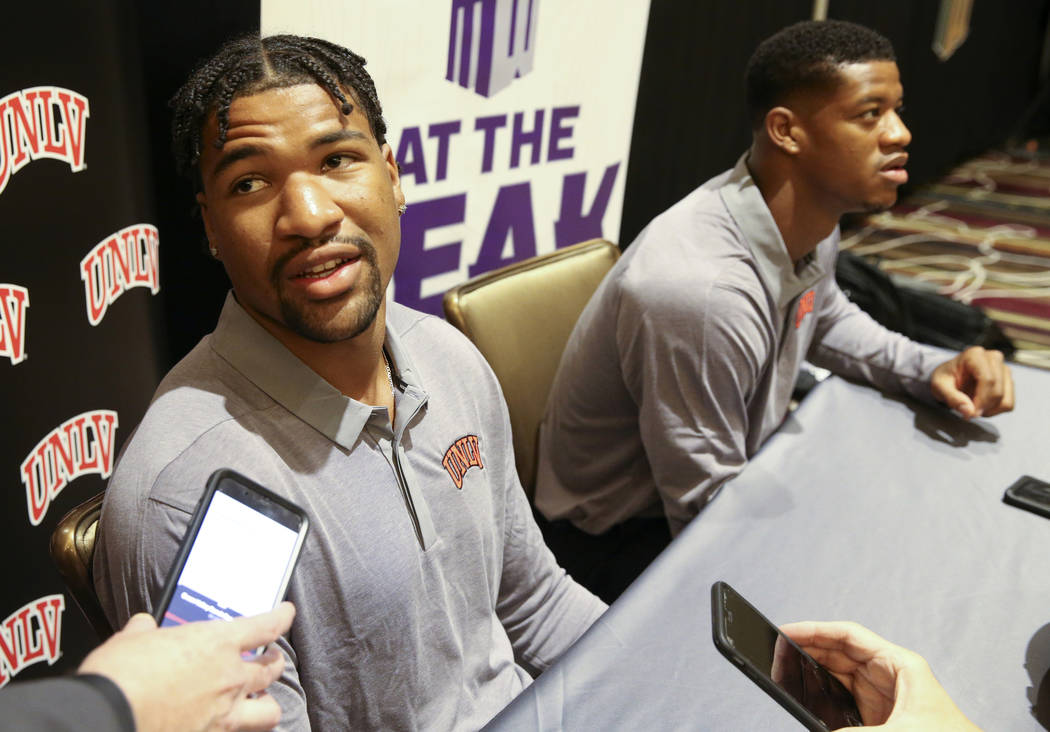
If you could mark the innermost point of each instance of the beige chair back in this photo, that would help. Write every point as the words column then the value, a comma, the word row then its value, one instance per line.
column 520, row 318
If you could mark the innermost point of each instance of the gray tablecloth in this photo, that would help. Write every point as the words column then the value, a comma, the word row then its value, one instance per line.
column 862, row 507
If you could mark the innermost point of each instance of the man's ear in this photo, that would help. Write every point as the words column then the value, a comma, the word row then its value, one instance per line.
column 202, row 205
column 394, row 171
column 783, row 130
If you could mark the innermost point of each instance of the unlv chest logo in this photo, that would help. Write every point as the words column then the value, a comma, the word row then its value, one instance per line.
column 463, row 455
column 805, row 307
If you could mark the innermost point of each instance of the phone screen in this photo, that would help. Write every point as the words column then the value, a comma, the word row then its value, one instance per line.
column 240, row 559
column 760, row 645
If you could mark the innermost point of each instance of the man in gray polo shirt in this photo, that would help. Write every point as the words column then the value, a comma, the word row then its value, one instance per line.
column 683, row 362
column 425, row 594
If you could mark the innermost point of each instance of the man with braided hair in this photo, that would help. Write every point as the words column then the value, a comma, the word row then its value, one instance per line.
column 425, row 594
column 683, row 363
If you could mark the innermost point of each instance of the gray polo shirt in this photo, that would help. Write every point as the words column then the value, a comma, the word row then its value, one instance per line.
column 683, row 362
column 424, row 590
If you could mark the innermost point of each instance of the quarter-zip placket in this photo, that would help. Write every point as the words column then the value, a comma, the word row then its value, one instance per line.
column 409, row 404
column 410, row 503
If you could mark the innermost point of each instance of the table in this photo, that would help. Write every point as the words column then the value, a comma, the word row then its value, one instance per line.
column 861, row 507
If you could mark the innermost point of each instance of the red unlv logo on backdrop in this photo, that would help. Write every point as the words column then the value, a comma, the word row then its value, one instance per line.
column 42, row 122
column 80, row 446
column 31, row 634
column 13, row 303
column 119, row 262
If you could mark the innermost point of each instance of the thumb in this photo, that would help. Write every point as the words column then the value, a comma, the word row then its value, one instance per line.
column 139, row 623
column 945, row 390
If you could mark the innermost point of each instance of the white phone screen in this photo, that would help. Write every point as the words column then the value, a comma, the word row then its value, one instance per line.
column 237, row 566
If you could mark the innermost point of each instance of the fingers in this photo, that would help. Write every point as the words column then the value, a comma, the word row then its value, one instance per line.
column 782, row 653
column 850, row 639
column 253, row 708
column 842, row 647
column 1006, row 401
column 984, row 369
column 975, row 383
column 264, row 670
column 139, row 623
column 263, row 629
column 254, row 714
column 945, row 386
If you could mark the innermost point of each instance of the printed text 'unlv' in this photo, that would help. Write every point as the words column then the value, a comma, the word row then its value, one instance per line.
column 79, row 446
column 119, row 262
column 13, row 303
column 42, row 122
column 31, row 634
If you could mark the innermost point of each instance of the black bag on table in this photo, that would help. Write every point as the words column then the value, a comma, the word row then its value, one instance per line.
column 919, row 314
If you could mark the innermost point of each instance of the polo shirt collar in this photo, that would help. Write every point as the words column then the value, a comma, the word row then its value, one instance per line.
column 267, row 363
column 750, row 212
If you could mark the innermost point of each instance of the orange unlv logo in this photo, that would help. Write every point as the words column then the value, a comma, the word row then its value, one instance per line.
column 463, row 455
column 805, row 307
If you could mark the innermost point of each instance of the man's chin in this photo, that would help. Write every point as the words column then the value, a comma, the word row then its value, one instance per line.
column 870, row 207
column 347, row 323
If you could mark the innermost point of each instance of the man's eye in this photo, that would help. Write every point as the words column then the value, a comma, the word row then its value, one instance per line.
column 334, row 162
column 247, row 185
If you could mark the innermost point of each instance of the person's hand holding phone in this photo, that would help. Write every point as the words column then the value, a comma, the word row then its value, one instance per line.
column 194, row 677
column 891, row 685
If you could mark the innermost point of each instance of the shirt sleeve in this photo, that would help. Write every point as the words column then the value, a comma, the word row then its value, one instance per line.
column 691, row 359
column 85, row 701
column 850, row 343
column 543, row 610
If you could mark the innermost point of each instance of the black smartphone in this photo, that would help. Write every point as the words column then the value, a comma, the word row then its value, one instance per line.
column 237, row 555
column 1031, row 494
column 774, row 662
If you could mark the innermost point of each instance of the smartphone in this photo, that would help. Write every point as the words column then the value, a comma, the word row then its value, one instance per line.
column 774, row 662
column 1030, row 494
column 237, row 555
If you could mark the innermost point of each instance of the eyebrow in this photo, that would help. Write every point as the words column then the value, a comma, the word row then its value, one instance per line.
column 234, row 156
column 248, row 151
column 337, row 136
column 880, row 99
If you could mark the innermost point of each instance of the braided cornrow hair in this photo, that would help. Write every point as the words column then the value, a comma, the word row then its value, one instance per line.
column 249, row 65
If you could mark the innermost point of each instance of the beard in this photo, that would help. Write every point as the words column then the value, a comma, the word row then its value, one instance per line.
column 343, row 317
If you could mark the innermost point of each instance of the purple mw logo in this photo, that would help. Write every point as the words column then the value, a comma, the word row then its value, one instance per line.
column 491, row 43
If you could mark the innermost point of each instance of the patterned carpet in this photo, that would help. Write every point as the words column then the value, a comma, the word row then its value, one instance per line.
column 981, row 235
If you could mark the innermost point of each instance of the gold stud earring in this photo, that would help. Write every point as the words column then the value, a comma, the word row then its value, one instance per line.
column 401, row 209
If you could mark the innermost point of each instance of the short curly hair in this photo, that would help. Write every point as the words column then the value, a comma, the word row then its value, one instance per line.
column 249, row 65
column 806, row 56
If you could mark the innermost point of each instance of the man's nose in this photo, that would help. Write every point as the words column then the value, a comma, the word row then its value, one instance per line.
column 895, row 133
column 308, row 209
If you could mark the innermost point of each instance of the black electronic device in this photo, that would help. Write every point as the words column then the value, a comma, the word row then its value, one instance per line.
column 237, row 556
column 777, row 664
column 1031, row 494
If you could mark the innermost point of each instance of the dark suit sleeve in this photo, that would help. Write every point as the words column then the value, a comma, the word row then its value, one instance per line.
column 65, row 704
